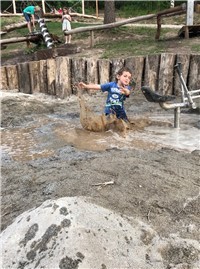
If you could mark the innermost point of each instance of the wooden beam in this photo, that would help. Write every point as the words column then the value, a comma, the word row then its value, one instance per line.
column 97, row 9
column 171, row 10
column 190, row 12
column 43, row 6
column 19, row 39
column 14, row 7
column 83, row 7
column 159, row 21
column 110, row 25
column 72, row 14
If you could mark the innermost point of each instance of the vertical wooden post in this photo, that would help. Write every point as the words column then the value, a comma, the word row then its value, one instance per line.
column 83, row 7
column 190, row 15
column 159, row 20
column 14, row 7
column 28, row 44
column 186, row 32
column 97, row 9
column 4, row 78
column 43, row 6
column 190, row 12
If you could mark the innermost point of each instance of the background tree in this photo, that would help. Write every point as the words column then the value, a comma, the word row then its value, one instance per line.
column 109, row 11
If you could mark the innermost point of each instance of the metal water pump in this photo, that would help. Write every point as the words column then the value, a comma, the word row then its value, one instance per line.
column 187, row 98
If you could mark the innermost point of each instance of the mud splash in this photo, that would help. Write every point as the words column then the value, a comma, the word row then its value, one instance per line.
column 100, row 123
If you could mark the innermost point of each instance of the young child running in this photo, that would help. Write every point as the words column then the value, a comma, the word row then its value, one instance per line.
column 118, row 91
column 66, row 24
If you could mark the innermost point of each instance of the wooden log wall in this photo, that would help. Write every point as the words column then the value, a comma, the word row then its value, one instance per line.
column 58, row 76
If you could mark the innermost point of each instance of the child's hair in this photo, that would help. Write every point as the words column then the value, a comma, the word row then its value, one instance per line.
column 121, row 70
column 37, row 8
column 66, row 9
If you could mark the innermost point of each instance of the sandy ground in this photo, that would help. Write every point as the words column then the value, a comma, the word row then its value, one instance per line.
column 46, row 154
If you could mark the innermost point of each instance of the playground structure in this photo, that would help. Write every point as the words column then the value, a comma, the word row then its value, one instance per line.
column 35, row 37
column 178, row 10
column 45, row 33
column 45, row 6
column 187, row 98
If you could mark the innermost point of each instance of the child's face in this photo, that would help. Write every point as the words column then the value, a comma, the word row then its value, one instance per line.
column 124, row 79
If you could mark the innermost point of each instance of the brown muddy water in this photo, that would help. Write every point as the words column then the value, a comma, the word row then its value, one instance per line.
column 87, row 129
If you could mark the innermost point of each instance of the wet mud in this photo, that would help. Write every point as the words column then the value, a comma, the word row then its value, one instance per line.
column 47, row 154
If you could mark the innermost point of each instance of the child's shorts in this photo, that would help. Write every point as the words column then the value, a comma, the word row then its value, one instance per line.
column 118, row 111
column 27, row 17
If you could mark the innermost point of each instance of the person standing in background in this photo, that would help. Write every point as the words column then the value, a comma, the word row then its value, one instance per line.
column 66, row 25
column 29, row 15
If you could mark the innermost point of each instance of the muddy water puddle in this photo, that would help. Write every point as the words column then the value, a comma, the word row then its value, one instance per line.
column 49, row 133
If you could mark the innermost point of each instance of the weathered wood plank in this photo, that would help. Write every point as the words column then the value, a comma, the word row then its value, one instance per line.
column 115, row 67
column 63, row 77
column 165, row 83
column 156, row 71
column 43, row 77
column 151, row 71
column 92, row 72
column 12, row 77
column 110, row 25
column 194, row 74
column 4, row 80
column 51, row 76
column 184, row 59
column 24, row 78
column 78, row 74
column 136, row 65
column 104, row 71
column 34, row 69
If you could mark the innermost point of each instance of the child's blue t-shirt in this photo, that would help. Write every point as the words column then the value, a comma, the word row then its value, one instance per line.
column 115, row 97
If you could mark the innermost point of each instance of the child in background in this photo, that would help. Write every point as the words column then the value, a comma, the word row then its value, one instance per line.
column 66, row 24
column 29, row 15
column 118, row 91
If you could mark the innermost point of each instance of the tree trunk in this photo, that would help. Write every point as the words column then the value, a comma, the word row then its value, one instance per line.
column 109, row 11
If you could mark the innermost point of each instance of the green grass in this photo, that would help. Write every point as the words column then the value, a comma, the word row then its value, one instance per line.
column 122, row 41
column 196, row 47
column 132, row 41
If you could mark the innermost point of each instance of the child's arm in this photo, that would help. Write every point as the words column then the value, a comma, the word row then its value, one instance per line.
column 69, row 18
column 82, row 85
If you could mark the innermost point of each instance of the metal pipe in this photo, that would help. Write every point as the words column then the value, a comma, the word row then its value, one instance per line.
column 174, row 105
column 193, row 97
column 177, row 112
column 195, row 91
column 187, row 93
